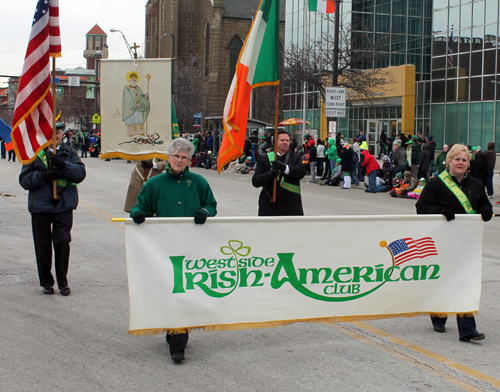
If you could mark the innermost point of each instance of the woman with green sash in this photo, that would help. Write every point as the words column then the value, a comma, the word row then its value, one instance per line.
column 456, row 192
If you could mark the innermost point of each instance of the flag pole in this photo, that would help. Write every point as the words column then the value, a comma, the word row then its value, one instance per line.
column 54, row 144
column 276, row 116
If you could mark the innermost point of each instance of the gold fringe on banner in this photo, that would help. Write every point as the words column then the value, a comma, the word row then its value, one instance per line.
column 130, row 157
column 274, row 324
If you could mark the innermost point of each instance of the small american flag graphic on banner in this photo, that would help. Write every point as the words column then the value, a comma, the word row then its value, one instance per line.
column 407, row 249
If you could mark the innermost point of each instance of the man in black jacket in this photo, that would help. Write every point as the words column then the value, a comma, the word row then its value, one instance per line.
column 288, row 170
column 52, row 219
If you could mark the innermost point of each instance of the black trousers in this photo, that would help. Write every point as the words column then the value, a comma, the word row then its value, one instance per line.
column 466, row 325
column 52, row 230
column 177, row 342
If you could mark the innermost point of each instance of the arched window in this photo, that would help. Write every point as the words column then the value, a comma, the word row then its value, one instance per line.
column 234, row 52
column 207, row 49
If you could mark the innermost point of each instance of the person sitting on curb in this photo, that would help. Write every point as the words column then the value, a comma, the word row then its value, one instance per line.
column 372, row 169
column 337, row 176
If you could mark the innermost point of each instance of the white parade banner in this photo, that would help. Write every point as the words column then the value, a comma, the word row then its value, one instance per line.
column 136, row 121
column 260, row 272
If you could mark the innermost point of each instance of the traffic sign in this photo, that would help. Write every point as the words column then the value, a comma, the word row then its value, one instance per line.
column 74, row 81
column 335, row 113
column 197, row 120
column 96, row 119
column 335, row 98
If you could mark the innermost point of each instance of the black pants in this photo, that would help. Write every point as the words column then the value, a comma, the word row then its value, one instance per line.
column 466, row 325
column 177, row 342
column 52, row 230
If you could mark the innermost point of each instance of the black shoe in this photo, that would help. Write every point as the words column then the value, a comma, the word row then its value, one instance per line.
column 473, row 336
column 64, row 290
column 178, row 357
column 440, row 328
column 48, row 290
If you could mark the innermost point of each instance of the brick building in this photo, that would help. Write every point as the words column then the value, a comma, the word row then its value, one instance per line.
column 213, row 30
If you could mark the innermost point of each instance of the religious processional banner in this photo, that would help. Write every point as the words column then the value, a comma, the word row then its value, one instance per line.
column 249, row 272
column 136, row 122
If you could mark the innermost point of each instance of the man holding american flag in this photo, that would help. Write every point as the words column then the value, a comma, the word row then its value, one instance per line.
column 50, row 174
column 52, row 219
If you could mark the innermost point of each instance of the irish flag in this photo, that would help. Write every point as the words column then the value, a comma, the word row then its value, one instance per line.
column 322, row 6
column 258, row 65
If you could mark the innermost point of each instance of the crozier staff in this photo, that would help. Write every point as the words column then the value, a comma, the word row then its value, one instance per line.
column 456, row 192
column 176, row 193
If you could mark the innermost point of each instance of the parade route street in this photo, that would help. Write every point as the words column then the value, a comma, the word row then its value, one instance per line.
column 80, row 342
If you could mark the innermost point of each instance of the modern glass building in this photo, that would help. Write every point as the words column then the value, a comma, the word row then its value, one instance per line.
column 464, row 86
column 451, row 43
column 301, row 28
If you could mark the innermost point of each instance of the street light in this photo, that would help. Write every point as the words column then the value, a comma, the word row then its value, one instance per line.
column 135, row 47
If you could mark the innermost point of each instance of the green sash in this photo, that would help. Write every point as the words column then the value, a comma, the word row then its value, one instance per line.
column 285, row 185
column 62, row 183
column 453, row 187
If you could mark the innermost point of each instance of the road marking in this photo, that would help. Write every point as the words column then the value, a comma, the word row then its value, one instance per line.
column 99, row 213
column 440, row 372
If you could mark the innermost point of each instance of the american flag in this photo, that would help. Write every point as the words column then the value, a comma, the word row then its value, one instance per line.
column 408, row 249
column 450, row 50
column 32, row 130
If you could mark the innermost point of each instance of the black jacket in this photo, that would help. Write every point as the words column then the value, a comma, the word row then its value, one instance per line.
column 287, row 203
column 312, row 151
column 346, row 156
column 425, row 158
column 40, row 191
column 479, row 167
column 436, row 197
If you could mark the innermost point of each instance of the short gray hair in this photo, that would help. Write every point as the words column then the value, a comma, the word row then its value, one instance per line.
column 181, row 144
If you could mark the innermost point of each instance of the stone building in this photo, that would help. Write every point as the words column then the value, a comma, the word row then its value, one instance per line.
column 212, row 30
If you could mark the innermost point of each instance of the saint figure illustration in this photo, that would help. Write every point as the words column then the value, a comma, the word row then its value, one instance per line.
column 135, row 106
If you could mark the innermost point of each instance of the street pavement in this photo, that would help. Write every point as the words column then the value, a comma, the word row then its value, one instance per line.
column 80, row 342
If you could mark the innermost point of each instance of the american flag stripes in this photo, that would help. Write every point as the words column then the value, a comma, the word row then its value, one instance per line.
column 407, row 249
column 33, row 115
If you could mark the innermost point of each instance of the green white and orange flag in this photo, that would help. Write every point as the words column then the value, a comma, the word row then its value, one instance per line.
column 258, row 65
column 322, row 6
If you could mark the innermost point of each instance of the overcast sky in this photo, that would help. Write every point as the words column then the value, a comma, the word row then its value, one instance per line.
column 76, row 18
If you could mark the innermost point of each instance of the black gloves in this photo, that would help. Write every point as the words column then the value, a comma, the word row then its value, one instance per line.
column 486, row 214
column 449, row 214
column 57, row 163
column 147, row 164
column 273, row 173
column 200, row 216
column 278, row 165
column 138, row 217
column 51, row 175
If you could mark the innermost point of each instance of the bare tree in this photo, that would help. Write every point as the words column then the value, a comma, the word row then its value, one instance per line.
column 312, row 62
column 188, row 94
column 75, row 107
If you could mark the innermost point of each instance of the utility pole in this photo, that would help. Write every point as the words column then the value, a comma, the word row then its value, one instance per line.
column 335, row 76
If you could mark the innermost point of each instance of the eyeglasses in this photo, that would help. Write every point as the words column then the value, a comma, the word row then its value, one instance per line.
column 179, row 158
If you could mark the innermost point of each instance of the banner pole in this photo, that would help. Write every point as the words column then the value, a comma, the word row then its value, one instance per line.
column 54, row 143
column 276, row 116
column 148, row 77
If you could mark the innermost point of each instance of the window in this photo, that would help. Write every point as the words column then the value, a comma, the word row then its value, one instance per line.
column 234, row 52
column 207, row 49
